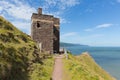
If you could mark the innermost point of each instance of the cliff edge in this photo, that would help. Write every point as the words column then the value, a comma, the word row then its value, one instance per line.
column 83, row 67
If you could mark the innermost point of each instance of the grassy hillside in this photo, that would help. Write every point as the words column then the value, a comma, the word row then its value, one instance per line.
column 83, row 67
column 19, row 56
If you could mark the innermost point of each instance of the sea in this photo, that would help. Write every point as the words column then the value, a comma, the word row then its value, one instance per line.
column 107, row 57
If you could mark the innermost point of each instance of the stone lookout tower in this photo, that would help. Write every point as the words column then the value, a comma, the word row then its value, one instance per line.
column 45, row 31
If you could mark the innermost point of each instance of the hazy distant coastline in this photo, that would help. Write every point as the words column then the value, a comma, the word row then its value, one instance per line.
column 64, row 44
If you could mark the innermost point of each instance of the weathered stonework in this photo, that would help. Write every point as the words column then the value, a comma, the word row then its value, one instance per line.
column 45, row 30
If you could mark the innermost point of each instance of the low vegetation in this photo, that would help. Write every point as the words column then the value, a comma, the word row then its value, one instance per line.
column 42, row 71
column 19, row 56
column 83, row 67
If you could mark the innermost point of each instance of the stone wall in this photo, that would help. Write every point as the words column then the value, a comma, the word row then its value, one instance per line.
column 45, row 30
column 56, row 35
column 43, row 34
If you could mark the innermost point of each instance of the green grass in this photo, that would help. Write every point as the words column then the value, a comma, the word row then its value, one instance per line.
column 42, row 72
column 19, row 56
column 83, row 67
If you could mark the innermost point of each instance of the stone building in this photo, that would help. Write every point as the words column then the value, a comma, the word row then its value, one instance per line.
column 45, row 31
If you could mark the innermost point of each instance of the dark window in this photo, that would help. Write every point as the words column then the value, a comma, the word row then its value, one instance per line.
column 38, row 25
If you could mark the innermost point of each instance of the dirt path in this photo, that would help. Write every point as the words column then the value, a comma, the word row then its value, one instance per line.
column 58, row 68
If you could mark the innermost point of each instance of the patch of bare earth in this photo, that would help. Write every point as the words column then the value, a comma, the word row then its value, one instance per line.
column 58, row 68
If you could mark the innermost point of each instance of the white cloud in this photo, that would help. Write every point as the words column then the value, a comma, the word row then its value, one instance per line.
column 74, row 37
column 104, row 25
column 51, row 2
column 18, row 10
column 22, row 25
column 1, row 9
column 22, row 12
column 96, row 35
column 58, row 7
column 62, row 20
column 70, row 34
column 68, row 3
column 88, row 30
column 60, row 4
column 70, row 37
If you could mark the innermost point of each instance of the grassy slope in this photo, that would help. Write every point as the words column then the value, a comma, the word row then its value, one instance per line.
column 19, row 56
column 83, row 67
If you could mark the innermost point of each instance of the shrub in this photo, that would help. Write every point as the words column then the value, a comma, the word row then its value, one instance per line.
column 4, row 38
column 8, row 27
column 22, row 37
column 2, row 46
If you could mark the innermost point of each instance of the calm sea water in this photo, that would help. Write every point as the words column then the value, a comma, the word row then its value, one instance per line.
column 107, row 57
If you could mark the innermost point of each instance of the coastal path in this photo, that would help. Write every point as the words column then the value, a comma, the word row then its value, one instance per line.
column 58, row 68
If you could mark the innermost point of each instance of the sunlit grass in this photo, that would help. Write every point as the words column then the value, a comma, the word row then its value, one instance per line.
column 19, row 56
column 83, row 67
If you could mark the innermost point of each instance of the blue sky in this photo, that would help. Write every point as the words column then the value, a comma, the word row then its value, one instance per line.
column 90, row 22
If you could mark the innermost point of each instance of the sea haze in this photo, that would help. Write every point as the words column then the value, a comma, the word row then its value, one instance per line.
column 107, row 57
